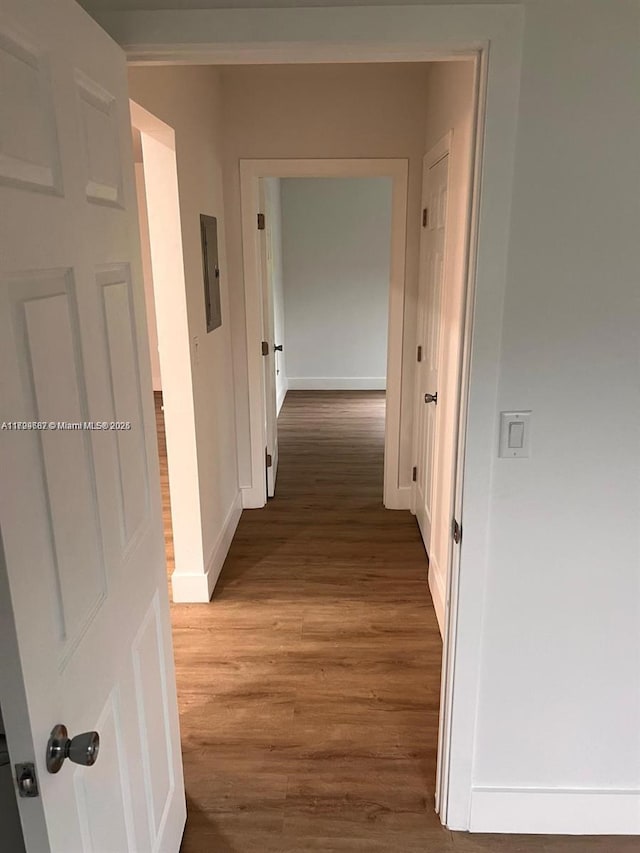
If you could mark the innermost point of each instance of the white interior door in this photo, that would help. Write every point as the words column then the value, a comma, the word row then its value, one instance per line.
column 434, row 194
column 268, row 336
column 84, row 622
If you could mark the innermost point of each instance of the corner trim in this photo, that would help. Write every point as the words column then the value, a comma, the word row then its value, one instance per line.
column 198, row 587
column 282, row 393
column 437, row 595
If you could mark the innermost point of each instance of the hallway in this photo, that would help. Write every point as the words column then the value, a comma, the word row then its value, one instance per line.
column 309, row 688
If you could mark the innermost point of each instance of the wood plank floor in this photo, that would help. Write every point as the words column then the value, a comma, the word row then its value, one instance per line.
column 309, row 687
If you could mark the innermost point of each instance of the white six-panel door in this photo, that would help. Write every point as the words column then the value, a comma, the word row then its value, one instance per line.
column 268, row 336
column 79, row 509
column 429, row 339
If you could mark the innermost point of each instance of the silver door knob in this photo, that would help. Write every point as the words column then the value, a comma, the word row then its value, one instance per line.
column 431, row 398
column 82, row 749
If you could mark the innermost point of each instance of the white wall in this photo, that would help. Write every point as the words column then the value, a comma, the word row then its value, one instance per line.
column 323, row 111
column 273, row 201
column 189, row 100
column 560, row 677
column 336, row 246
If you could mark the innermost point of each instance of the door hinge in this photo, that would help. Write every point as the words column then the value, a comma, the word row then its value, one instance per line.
column 456, row 531
column 414, row 473
column 265, row 348
column 419, row 353
column 261, row 222
column 425, row 217
column 268, row 460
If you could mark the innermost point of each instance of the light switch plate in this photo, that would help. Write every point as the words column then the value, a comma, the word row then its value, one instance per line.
column 515, row 435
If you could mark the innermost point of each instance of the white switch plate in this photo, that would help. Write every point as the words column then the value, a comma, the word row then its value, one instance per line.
column 515, row 435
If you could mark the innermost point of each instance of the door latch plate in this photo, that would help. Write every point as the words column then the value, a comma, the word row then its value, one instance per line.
column 456, row 531
column 26, row 780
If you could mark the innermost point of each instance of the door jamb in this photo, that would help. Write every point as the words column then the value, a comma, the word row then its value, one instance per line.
column 445, row 721
column 251, row 171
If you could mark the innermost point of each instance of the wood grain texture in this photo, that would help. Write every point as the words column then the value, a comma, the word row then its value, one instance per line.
column 164, row 484
column 309, row 686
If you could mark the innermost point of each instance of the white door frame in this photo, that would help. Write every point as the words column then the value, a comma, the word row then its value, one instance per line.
column 422, row 33
column 251, row 171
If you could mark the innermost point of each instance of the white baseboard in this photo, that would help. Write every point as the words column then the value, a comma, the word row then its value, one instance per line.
column 282, row 393
column 337, row 383
column 437, row 594
column 555, row 812
column 199, row 587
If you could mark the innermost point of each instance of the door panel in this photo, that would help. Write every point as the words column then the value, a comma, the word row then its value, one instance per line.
column 30, row 154
column 80, row 516
column 43, row 308
column 268, row 334
column 434, row 194
column 118, row 321
column 101, row 831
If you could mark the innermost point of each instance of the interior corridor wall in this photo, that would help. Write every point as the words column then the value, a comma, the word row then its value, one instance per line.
column 323, row 111
column 336, row 244
column 557, row 730
column 188, row 98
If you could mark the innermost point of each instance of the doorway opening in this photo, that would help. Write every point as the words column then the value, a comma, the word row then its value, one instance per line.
column 166, row 312
column 255, row 175
column 433, row 330
column 325, row 253
column 152, row 329
column 258, row 189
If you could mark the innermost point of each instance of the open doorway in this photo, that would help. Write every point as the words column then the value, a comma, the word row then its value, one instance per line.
column 325, row 258
column 452, row 111
column 166, row 314
column 258, row 569
column 390, row 178
column 326, row 580
column 152, row 329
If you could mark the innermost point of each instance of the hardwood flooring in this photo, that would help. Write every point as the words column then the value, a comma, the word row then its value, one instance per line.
column 164, row 484
column 309, row 686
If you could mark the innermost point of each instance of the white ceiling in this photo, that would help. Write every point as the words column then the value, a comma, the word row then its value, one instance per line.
column 121, row 5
